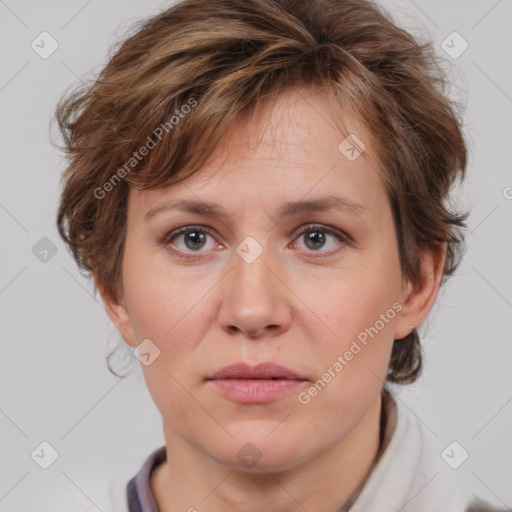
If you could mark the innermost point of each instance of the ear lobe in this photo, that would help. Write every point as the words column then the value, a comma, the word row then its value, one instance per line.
column 117, row 312
column 421, row 295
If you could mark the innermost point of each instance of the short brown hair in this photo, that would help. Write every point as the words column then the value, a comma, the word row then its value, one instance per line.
column 224, row 58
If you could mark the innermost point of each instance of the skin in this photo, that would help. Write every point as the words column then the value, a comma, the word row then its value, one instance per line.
column 287, row 306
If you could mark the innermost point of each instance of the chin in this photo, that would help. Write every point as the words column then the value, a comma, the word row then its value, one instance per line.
column 262, row 449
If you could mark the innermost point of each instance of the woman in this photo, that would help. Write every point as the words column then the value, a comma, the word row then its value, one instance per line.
column 258, row 189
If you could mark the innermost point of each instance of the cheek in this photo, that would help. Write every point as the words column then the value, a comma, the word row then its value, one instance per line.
column 170, row 311
column 158, row 301
column 172, row 308
column 354, row 301
column 359, row 306
column 363, row 327
column 351, row 362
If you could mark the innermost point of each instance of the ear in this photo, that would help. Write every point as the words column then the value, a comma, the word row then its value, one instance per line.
column 117, row 312
column 418, row 298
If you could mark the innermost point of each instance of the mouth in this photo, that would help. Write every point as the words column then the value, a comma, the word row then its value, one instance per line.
column 265, row 382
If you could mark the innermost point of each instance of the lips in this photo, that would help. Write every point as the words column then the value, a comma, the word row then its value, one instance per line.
column 265, row 382
column 264, row 371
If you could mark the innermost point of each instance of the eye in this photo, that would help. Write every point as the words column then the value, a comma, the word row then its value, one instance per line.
column 194, row 238
column 316, row 237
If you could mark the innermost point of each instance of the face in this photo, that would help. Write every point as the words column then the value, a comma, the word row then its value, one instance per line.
column 305, row 302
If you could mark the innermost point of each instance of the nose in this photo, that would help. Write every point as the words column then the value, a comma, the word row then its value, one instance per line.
column 255, row 299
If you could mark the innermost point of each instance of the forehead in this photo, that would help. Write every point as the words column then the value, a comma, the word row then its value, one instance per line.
column 295, row 147
column 295, row 128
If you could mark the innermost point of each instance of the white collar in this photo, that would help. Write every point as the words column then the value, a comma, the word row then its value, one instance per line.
column 407, row 477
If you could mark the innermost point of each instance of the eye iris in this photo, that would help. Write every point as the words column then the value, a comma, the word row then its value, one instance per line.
column 197, row 238
column 316, row 237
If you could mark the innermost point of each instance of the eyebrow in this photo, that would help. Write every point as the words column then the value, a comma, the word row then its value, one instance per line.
column 205, row 208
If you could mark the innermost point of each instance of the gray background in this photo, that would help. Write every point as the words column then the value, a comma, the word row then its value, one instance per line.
column 55, row 385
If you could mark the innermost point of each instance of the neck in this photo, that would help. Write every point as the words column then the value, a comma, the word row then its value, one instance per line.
column 191, row 480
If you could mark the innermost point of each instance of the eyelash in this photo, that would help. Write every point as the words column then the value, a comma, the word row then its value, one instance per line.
column 340, row 236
